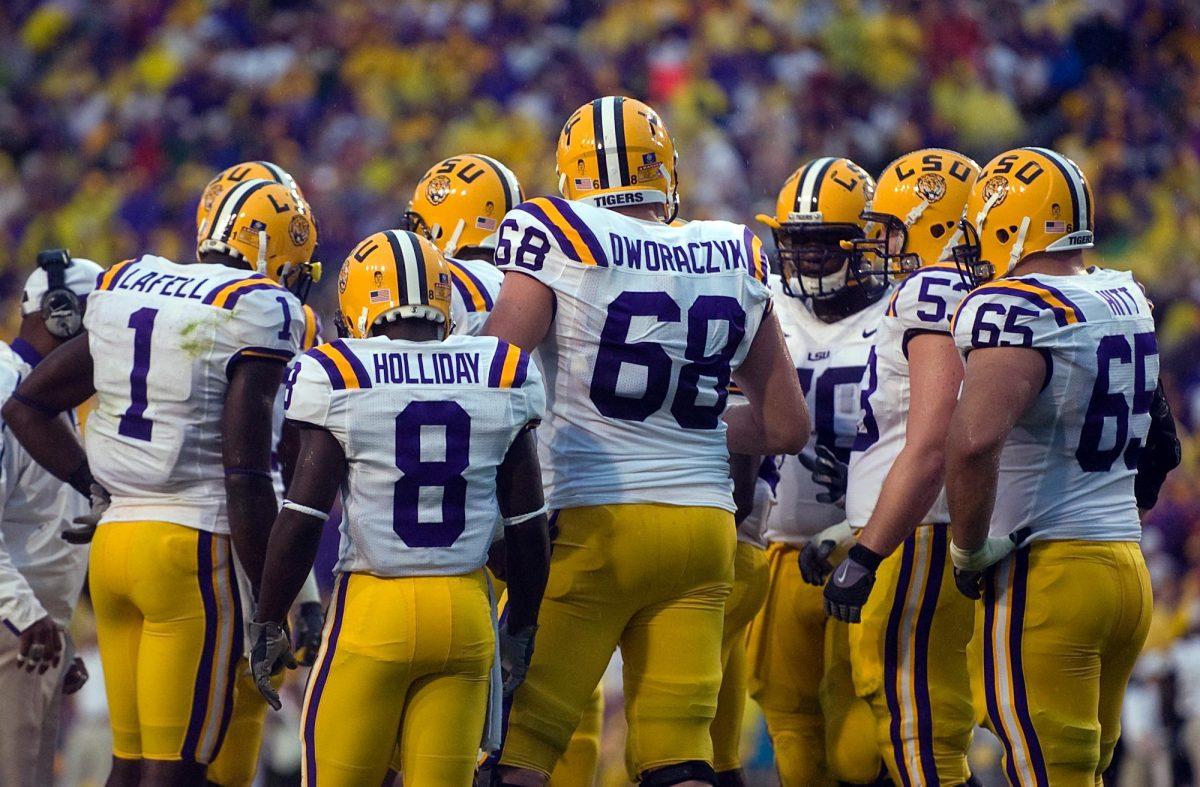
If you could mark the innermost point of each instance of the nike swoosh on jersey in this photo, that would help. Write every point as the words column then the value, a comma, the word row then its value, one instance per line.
column 869, row 334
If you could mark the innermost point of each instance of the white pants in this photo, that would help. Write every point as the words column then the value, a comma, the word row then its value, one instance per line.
column 29, row 719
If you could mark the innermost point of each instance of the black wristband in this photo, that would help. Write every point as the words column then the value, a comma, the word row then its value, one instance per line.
column 37, row 407
column 865, row 557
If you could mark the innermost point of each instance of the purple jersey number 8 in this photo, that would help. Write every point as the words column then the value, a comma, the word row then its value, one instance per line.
column 418, row 473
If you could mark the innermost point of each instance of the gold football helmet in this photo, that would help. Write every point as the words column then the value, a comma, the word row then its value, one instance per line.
column 460, row 202
column 915, row 213
column 818, row 213
column 615, row 151
column 1027, row 200
column 234, row 175
column 393, row 275
column 265, row 225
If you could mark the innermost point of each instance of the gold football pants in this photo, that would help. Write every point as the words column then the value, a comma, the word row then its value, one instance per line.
column 909, row 657
column 800, row 675
column 168, row 621
column 1064, row 622
column 749, row 593
column 404, row 662
column 652, row 579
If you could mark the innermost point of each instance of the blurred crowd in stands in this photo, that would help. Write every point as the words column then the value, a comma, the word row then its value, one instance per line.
column 113, row 115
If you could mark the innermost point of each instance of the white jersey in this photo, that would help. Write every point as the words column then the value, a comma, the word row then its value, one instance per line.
column 650, row 321
column 40, row 573
column 1068, row 466
column 424, row 426
column 830, row 359
column 476, row 287
column 923, row 303
column 164, row 338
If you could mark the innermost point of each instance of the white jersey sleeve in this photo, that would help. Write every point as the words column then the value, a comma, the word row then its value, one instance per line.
column 476, row 287
column 164, row 339
column 424, row 426
column 650, row 322
column 1068, row 466
column 923, row 303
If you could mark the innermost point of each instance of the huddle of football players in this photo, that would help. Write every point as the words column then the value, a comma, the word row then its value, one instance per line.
column 891, row 491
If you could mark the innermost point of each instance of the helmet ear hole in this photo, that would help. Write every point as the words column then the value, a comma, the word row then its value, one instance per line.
column 1002, row 235
column 937, row 231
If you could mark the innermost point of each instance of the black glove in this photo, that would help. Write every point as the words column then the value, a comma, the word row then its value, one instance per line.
column 310, row 622
column 814, row 561
column 516, row 651
column 847, row 590
column 1160, row 455
column 969, row 583
column 830, row 472
column 270, row 654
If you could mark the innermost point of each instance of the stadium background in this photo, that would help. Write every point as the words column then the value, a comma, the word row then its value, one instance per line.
column 113, row 115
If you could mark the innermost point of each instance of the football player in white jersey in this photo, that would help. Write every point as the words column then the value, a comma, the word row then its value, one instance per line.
column 41, row 574
column 640, row 327
column 237, row 761
column 908, row 654
column 829, row 307
column 185, row 361
column 457, row 206
column 430, row 437
column 1061, row 372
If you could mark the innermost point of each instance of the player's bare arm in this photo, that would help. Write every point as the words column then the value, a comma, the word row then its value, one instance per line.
column 246, row 452
column 59, row 383
column 999, row 386
column 527, row 554
column 320, row 470
column 775, row 418
column 743, row 469
column 914, row 481
column 523, row 312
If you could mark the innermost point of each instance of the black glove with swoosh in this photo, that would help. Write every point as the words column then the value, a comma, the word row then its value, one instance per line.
column 847, row 590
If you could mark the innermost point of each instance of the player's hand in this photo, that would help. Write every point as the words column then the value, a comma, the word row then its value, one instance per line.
column 814, row 560
column 847, row 590
column 969, row 583
column 40, row 647
column 86, row 524
column 990, row 552
column 830, row 472
column 516, row 651
column 270, row 654
column 76, row 676
column 310, row 622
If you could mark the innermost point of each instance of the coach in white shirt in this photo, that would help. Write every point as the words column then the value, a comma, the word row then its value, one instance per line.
column 41, row 574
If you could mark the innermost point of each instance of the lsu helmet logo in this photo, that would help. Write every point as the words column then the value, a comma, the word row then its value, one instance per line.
column 931, row 187
column 298, row 230
column 996, row 188
column 344, row 276
column 210, row 195
column 438, row 189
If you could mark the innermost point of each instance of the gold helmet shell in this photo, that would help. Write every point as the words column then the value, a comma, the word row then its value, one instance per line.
column 230, row 177
column 1027, row 200
column 268, row 227
column 460, row 201
column 616, row 151
column 392, row 275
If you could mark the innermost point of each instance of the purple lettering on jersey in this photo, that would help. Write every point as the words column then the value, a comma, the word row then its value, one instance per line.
column 466, row 367
column 424, row 378
column 682, row 261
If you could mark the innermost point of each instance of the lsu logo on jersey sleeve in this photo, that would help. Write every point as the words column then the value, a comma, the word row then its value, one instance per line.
column 923, row 303
column 1067, row 469
column 424, row 425
column 165, row 338
column 650, row 322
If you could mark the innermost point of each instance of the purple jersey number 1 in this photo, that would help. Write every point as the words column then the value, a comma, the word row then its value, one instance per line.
column 134, row 422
